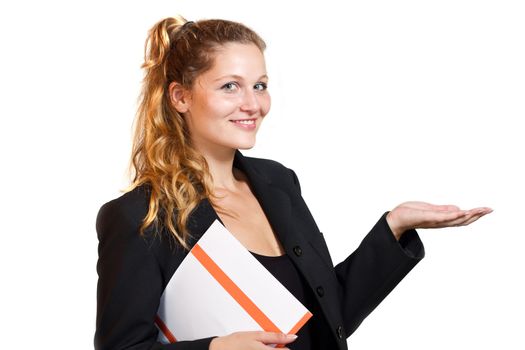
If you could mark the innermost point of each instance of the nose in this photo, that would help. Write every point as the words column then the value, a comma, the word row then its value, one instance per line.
column 250, row 102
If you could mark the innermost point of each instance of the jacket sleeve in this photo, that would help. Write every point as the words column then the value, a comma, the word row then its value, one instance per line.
column 129, row 287
column 372, row 271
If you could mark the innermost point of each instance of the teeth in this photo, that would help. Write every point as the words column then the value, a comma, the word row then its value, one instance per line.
column 245, row 121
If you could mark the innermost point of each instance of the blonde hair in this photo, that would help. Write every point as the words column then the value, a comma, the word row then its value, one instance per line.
column 162, row 155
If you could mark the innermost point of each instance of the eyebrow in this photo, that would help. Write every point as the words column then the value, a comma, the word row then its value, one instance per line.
column 235, row 76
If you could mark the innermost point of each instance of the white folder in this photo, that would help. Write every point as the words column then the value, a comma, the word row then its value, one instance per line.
column 220, row 288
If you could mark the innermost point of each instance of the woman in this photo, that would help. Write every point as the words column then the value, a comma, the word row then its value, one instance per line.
column 204, row 98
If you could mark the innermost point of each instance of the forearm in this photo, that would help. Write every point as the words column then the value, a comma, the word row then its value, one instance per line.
column 368, row 275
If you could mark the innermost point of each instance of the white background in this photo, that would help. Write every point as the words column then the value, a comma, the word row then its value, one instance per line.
column 374, row 103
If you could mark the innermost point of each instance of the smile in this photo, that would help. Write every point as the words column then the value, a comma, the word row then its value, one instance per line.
column 245, row 123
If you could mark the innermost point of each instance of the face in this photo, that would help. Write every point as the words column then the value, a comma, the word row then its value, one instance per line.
column 229, row 101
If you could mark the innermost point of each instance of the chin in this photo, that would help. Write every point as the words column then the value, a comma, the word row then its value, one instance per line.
column 245, row 145
column 243, row 142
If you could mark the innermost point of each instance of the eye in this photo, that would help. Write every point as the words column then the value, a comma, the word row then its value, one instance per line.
column 231, row 86
column 261, row 86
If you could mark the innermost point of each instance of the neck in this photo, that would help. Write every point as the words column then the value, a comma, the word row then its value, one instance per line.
column 220, row 164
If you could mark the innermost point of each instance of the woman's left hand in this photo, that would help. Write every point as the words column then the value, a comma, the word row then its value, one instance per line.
column 412, row 215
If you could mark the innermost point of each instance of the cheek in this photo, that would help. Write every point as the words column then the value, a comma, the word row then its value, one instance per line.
column 221, row 107
column 266, row 103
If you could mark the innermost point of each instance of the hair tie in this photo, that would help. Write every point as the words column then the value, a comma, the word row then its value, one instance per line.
column 180, row 32
column 186, row 24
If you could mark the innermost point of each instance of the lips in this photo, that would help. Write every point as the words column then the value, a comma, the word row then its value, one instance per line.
column 247, row 124
column 244, row 121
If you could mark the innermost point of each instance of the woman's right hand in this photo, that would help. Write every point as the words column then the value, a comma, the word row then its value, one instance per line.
column 255, row 340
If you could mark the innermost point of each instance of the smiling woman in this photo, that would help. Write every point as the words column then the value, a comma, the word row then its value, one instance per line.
column 204, row 97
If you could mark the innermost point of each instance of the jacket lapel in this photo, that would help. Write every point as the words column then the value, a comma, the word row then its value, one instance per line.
column 274, row 202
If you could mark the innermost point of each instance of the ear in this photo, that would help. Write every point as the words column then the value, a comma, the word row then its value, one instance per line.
column 180, row 97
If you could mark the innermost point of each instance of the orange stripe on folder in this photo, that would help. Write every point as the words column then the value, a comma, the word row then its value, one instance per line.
column 297, row 326
column 300, row 323
column 165, row 330
column 238, row 295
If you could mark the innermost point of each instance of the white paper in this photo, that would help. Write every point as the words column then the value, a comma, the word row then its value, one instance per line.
column 196, row 305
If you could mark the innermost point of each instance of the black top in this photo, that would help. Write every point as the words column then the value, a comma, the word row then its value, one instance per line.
column 281, row 267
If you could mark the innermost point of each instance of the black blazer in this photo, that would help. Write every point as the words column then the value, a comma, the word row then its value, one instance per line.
column 134, row 270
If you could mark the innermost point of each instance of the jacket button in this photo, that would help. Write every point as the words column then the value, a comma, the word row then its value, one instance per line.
column 297, row 250
column 339, row 332
column 320, row 291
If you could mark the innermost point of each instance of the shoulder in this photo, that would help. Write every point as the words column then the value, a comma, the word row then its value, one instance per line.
column 264, row 164
column 274, row 172
column 126, row 211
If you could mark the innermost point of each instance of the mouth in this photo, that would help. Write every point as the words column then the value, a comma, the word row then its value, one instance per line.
column 250, row 121
column 248, row 124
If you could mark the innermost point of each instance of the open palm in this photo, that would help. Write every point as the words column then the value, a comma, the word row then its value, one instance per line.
column 412, row 215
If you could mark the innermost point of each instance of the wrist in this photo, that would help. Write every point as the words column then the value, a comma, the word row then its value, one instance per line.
column 215, row 344
column 392, row 222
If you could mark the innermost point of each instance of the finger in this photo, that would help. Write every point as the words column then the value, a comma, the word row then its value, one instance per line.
column 484, row 210
column 439, row 219
column 444, row 218
column 429, row 206
column 477, row 212
column 459, row 222
column 275, row 338
column 474, row 218
column 471, row 220
column 472, row 215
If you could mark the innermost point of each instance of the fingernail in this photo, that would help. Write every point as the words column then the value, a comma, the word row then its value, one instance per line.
column 291, row 336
